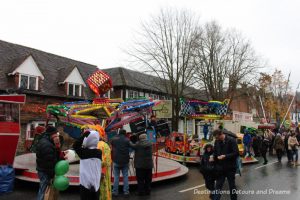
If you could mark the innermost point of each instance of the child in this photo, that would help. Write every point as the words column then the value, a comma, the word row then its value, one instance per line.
column 90, row 165
column 207, row 168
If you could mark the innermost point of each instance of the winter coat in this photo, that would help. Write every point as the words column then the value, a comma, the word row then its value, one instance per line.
column 229, row 148
column 293, row 143
column 206, row 167
column 46, row 156
column 278, row 143
column 142, row 154
column 120, row 149
column 265, row 145
column 247, row 139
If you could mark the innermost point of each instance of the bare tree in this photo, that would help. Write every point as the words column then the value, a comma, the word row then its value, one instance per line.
column 166, row 46
column 276, row 90
column 224, row 59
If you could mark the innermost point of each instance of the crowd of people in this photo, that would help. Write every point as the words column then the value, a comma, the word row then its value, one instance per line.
column 96, row 157
column 220, row 161
column 285, row 141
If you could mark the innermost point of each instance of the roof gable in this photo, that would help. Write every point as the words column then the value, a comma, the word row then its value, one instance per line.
column 75, row 77
column 29, row 67
column 54, row 68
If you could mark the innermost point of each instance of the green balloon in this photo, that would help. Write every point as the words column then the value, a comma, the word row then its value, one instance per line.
column 61, row 168
column 61, row 183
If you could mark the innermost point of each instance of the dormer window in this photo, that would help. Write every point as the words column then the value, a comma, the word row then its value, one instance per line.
column 74, row 90
column 27, row 73
column 74, row 83
column 28, row 82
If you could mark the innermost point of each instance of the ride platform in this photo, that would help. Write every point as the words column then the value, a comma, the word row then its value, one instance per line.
column 25, row 166
column 179, row 158
column 249, row 160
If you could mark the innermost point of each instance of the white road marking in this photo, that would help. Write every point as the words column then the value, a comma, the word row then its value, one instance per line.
column 266, row 165
column 199, row 186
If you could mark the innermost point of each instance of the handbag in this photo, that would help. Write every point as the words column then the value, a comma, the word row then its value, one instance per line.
column 51, row 193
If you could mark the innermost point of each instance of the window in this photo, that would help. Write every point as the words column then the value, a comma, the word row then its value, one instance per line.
column 31, row 128
column 74, row 90
column 9, row 112
column 154, row 96
column 133, row 94
column 162, row 97
column 130, row 94
column 107, row 94
column 28, row 82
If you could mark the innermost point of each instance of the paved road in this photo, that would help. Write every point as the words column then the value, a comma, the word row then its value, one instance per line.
column 256, row 178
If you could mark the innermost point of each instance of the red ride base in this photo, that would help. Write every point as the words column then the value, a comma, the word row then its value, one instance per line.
column 167, row 169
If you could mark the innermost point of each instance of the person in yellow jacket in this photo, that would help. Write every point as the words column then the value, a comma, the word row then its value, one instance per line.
column 105, row 183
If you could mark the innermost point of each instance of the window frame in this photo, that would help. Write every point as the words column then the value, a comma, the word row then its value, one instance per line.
column 74, row 90
column 35, row 124
column 28, row 81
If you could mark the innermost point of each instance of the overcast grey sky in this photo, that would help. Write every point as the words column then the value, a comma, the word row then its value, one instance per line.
column 95, row 31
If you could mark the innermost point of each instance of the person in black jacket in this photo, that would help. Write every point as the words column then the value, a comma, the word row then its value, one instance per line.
column 225, row 156
column 120, row 156
column 143, row 164
column 90, row 165
column 207, row 168
column 264, row 147
column 47, row 155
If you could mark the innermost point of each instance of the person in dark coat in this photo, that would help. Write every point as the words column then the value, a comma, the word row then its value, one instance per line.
column 47, row 155
column 225, row 156
column 153, row 122
column 272, row 139
column 264, row 147
column 143, row 163
column 279, row 146
column 120, row 156
column 207, row 168
column 256, row 145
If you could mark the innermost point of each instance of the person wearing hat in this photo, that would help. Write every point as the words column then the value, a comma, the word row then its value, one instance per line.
column 90, row 165
column 225, row 157
column 47, row 155
column 143, row 163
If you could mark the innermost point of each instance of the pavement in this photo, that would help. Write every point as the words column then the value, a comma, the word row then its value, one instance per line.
column 273, row 181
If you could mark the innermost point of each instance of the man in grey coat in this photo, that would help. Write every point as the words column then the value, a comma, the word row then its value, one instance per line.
column 143, row 163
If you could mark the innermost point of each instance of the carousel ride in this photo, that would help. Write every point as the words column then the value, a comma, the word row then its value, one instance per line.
column 184, row 147
column 102, row 114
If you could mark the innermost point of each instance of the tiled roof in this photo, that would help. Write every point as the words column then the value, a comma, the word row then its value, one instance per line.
column 54, row 68
column 138, row 80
